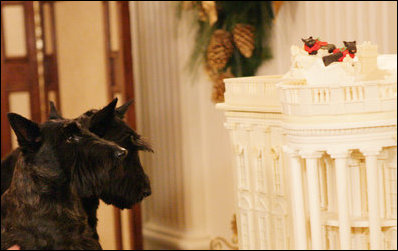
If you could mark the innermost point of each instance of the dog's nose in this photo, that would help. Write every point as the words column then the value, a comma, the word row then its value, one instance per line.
column 147, row 192
column 121, row 153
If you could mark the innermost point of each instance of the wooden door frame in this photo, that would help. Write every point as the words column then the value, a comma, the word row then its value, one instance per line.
column 127, row 89
column 51, row 80
column 5, row 126
column 30, row 85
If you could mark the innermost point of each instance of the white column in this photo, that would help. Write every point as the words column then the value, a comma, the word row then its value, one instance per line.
column 170, row 115
column 381, row 171
column 354, row 171
column 342, row 197
column 373, row 200
column 300, row 232
column 311, row 159
column 331, row 184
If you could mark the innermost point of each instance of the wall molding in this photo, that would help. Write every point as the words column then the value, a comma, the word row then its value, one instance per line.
column 160, row 237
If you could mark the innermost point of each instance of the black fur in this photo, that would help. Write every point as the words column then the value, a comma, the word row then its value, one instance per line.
column 57, row 160
column 125, row 188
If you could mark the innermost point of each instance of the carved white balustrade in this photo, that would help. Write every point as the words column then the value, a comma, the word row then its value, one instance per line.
column 363, row 97
column 316, row 166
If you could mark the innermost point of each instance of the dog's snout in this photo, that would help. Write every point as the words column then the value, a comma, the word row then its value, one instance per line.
column 147, row 192
column 121, row 153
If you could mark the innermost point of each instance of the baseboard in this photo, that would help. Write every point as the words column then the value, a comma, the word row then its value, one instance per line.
column 162, row 238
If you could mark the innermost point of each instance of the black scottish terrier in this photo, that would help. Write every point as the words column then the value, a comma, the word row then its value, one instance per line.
column 42, row 209
column 125, row 188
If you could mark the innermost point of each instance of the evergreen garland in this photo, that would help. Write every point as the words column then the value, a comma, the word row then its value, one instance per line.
column 256, row 16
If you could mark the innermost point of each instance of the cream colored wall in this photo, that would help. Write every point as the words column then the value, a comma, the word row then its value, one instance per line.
column 187, row 132
column 14, row 30
column 81, row 56
column 82, row 79
column 15, row 46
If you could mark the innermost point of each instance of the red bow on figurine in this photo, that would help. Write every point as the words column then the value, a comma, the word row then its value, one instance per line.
column 345, row 51
column 318, row 44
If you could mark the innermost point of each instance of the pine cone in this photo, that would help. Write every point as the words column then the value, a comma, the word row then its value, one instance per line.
column 217, row 95
column 212, row 73
column 220, row 49
column 244, row 39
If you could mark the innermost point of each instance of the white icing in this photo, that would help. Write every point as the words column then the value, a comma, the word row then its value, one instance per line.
column 312, row 69
column 387, row 61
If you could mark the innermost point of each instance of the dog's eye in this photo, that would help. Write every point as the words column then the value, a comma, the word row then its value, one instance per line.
column 73, row 139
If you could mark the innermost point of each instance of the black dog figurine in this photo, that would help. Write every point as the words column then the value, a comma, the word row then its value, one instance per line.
column 312, row 46
column 41, row 209
column 339, row 54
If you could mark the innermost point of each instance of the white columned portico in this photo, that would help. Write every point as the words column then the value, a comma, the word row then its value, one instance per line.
column 373, row 192
column 348, row 197
column 300, row 232
column 340, row 157
column 311, row 159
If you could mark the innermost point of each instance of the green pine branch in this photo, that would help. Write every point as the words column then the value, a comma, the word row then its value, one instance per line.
column 259, row 14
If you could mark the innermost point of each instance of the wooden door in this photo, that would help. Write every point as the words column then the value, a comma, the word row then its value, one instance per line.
column 30, row 71
column 19, row 71
column 29, row 74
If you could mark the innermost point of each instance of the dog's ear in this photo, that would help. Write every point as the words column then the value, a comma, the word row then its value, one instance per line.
column 27, row 131
column 53, row 112
column 101, row 119
column 121, row 111
column 303, row 40
column 142, row 145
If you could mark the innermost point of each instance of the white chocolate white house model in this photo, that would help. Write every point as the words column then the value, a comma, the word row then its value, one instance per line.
column 316, row 154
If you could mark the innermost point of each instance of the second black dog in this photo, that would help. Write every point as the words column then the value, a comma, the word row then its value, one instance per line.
column 41, row 209
column 124, row 188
